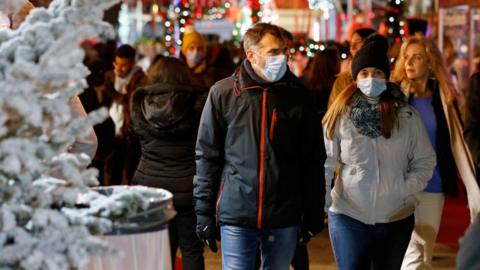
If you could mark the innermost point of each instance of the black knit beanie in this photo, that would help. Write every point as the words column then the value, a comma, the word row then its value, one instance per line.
column 373, row 53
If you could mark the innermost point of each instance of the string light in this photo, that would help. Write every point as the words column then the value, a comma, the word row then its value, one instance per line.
column 308, row 48
column 212, row 13
column 394, row 20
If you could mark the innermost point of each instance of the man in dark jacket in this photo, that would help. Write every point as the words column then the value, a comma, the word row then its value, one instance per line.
column 259, row 158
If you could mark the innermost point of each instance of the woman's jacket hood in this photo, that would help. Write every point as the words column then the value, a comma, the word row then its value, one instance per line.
column 166, row 110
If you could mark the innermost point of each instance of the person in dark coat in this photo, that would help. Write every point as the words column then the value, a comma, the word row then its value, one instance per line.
column 259, row 157
column 94, row 98
column 164, row 117
column 471, row 129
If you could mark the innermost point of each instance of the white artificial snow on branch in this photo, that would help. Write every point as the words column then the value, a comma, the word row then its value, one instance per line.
column 41, row 71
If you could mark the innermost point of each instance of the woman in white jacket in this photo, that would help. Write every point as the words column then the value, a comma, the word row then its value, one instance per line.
column 385, row 158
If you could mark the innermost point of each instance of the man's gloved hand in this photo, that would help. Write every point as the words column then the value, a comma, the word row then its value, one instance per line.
column 206, row 231
column 304, row 236
column 310, row 227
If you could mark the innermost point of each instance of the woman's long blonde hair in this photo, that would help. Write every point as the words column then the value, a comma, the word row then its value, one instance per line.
column 388, row 114
column 436, row 61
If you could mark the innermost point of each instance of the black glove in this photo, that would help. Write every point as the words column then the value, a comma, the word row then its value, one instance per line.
column 304, row 236
column 311, row 226
column 206, row 231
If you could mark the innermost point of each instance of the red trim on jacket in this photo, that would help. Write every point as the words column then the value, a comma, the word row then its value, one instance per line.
column 261, row 173
column 273, row 123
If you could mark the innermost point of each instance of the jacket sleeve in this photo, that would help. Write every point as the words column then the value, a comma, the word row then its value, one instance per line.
column 209, row 157
column 421, row 159
column 313, row 153
column 472, row 118
column 332, row 149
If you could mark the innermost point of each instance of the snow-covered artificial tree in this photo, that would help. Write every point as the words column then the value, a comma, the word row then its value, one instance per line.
column 42, row 222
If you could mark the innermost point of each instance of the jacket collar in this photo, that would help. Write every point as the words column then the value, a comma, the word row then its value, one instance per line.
column 246, row 79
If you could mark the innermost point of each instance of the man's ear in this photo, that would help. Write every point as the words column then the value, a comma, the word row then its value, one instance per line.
column 250, row 56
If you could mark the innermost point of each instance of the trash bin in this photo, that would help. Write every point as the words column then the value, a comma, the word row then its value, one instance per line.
column 142, row 238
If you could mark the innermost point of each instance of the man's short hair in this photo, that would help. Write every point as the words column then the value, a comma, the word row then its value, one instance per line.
column 253, row 35
column 126, row 51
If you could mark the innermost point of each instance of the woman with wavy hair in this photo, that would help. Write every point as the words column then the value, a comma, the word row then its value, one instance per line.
column 422, row 74
column 385, row 157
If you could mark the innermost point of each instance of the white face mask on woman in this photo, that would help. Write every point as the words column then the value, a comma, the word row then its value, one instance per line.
column 372, row 87
column 275, row 67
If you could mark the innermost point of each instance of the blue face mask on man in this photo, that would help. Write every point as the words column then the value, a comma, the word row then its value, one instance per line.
column 372, row 87
column 275, row 67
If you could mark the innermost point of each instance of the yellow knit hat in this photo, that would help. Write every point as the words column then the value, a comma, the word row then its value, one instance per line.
column 191, row 36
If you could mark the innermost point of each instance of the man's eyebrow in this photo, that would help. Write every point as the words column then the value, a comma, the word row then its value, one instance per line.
column 277, row 49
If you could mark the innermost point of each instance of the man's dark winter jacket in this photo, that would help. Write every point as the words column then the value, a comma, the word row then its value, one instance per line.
column 260, row 155
column 165, row 119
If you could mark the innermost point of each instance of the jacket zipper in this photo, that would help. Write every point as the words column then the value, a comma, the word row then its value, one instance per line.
column 273, row 123
column 217, row 205
column 261, row 173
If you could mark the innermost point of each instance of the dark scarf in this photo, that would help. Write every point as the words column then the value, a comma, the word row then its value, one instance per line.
column 248, row 67
column 365, row 117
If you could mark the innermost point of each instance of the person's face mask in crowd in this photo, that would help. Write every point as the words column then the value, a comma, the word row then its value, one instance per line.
column 194, row 55
column 275, row 67
column 194, row 58
column 371, row 82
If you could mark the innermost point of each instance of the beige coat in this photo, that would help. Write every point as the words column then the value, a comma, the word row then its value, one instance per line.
column 463, row 158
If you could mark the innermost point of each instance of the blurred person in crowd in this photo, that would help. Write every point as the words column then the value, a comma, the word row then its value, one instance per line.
column 91, row 51
column 221, row 61
column 472, row 119
column 467, row 257
column 194, row 52
column 344, row 79
column 147, row 51
column 426, row 83
column 257, row 153
column 165, row 116
column 120, row 85
column 93, row 98
column 385, row 158
column 450, row 55
column 321, row 76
